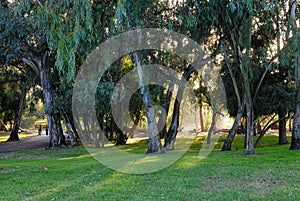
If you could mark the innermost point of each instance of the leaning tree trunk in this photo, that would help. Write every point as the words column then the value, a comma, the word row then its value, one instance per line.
column 241, row 107
column 172, row 132
column 163, row 132
column 3, row 126
column 237, row 122
column 15, row 130
column 212, row 126
column 173, row 129
column 282, row 127
column 69, row 126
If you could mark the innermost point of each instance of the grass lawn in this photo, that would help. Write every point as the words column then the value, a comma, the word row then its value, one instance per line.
column 5, row 136
column 72, row 174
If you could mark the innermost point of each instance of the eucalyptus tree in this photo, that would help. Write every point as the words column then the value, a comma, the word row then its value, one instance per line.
column 23, row 41
column 26, row 81
column 14, row 74
column 240, row 25
column 9, row 97
column 293, row 31
column 64, row 32
column 130, row 15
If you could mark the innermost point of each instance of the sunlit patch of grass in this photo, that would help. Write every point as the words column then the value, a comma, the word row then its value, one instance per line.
column 5, row 136
column 71, row 174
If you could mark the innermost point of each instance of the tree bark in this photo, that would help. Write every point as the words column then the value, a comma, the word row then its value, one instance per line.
column 121, row 137
column 241, row 107
column 163, row 132
column 172, row 132
column 3, row 127
column 249, row 131
column 202, row 129
column 41, row 66
column 173, row 129
column 154, row 145
column 56, row 138
column 267, row 127
column 15, row 130
column 295, row 144
column 282, row 127
column 69, row 126
column 212, row 126
column 237, row 122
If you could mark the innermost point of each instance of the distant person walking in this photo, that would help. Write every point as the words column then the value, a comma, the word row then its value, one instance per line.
column 40, row 130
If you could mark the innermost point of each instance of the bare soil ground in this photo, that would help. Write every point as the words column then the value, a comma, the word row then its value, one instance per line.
column 38, row 142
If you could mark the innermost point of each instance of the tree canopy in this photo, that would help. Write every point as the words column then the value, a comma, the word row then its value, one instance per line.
column 255, row 43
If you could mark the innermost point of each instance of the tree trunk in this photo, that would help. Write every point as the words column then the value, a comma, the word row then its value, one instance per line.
column 173, row 129
column 41, row 66
column 241, row 106
column 162, row 126
column 3, row 127
column 237, row 122
column 212, row 126
column 14, row 132
column 163, row 132
column 132, row 130
column 202, row 129
column 249, row 131
column 121, row 137
column 295, row 144
column 69, row 126
column 282, row 127
column 56, row 138
column 172, row 132
column 154, row 145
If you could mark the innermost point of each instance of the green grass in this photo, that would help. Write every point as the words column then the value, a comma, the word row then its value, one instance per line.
column 5, row 136
column 72, row 174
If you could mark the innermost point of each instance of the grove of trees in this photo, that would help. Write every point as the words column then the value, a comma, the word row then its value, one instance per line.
column 256, row 44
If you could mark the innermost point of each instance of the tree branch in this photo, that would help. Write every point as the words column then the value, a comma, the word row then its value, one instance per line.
column 32, row 64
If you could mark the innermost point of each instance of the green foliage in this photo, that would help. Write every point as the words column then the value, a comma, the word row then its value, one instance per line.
column 9, row 101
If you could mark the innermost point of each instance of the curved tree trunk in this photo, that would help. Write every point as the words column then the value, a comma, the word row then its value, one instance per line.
column 173, row 129
column 241, row 107
column 212, row 126
column 15, row 130
column 282, row 127
column 237, row 122
column 69, row 126
column 3, row 126
column 163, row 121
column 172, row 132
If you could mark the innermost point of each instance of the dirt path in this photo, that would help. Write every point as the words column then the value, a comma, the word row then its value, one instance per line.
column 38, row 142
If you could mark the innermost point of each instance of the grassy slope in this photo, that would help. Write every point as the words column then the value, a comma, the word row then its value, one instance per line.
column 272, row 174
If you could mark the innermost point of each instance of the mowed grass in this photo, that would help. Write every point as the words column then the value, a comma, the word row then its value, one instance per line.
column 4, row 136
column 72, row 174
